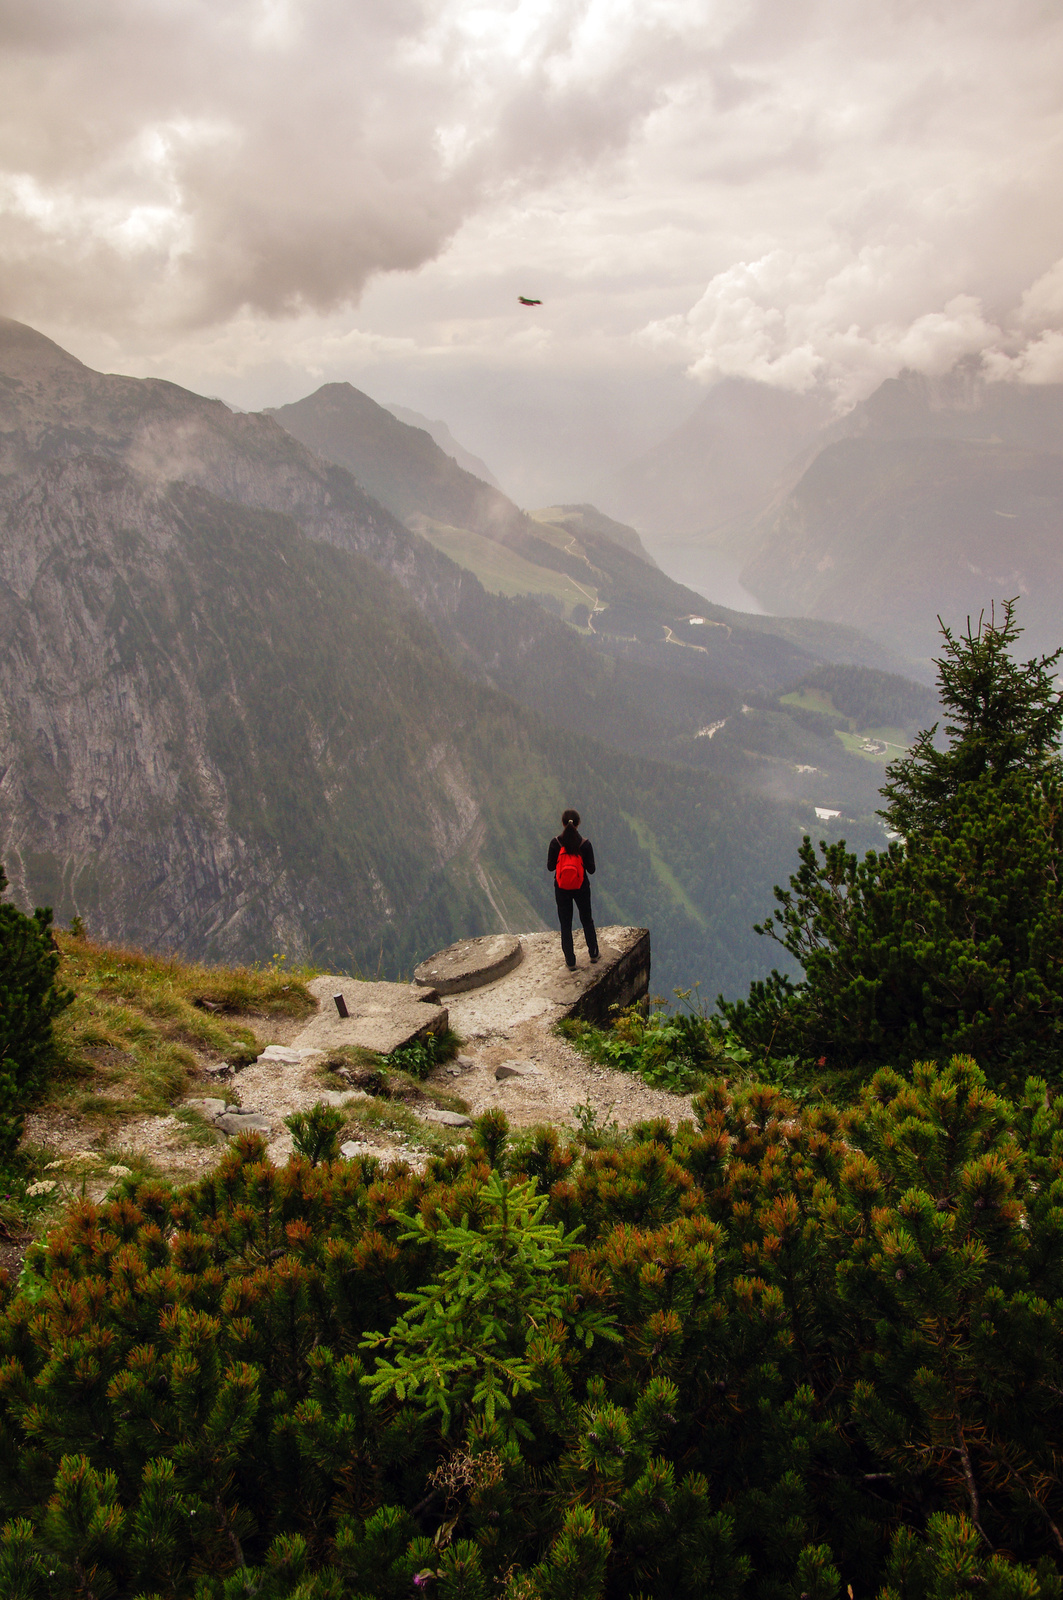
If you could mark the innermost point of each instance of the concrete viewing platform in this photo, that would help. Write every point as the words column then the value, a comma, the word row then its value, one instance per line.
column 492, row 985
column 380, row 1016
column 543, row 988
column 513, row 1060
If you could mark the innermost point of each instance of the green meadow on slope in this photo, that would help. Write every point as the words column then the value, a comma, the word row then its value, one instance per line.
column 501, row 570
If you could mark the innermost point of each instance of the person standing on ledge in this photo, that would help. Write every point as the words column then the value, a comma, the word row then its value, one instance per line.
column 571, row 860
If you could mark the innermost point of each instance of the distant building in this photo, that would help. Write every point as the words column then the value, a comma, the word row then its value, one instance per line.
column 825, row 814
column 696, row 622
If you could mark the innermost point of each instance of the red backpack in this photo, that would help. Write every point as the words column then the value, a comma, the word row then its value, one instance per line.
column 568, row 874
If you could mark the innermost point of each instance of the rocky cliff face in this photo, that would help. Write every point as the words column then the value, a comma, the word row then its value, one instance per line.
column 181, row 763
column 54, row 408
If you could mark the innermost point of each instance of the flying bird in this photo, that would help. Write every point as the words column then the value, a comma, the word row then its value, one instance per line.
column 523, row 298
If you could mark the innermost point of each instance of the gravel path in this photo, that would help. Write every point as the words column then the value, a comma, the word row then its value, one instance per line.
column 559, row 1080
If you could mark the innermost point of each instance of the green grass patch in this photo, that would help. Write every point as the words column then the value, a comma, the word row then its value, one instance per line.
column 810, row 700
column 893, row 738
column 378, row 1077
column 141, row 1024
column 348, row 1064
column 503, row 571
column 392, row 1117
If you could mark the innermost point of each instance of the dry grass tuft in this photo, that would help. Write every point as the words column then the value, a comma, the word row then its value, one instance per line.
column 141, row 1025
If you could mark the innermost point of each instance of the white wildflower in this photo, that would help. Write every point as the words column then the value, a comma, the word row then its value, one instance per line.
column 119, row 1171
column 43, row 1186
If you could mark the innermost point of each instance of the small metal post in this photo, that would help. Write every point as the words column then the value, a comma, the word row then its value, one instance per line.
column 341, row 1005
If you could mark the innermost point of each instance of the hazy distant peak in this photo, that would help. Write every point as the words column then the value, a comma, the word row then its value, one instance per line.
column 338, row 396
column 962, row 403
column 719, row 465
column 401, row 466
column 25, row 353
column 438, row 430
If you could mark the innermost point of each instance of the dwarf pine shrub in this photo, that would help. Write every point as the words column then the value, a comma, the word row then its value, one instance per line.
column 794, row 1350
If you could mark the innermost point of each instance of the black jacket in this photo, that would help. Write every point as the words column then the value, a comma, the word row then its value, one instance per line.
column 586, row 850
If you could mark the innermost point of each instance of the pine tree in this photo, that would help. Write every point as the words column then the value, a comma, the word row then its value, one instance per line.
column 1003, row 719
column 840, row 1367
column 29, row 1001
column 948, row 940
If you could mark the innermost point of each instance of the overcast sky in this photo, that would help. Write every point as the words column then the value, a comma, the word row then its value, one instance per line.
column 256, row 196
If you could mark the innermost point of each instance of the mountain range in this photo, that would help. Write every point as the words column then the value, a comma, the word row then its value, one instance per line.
column 254, row 701
column 933, row 496
column 245, row 710
column 689, row 681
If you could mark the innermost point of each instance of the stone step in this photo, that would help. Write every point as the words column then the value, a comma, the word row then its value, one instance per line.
column 380, row 1016
column 517, row 1069
column 234, row 1122
column 446, row 1119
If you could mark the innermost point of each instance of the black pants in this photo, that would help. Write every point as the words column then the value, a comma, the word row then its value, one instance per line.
column 581, row 899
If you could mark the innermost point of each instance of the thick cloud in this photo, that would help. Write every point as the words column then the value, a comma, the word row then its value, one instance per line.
column 900, row 186
column 813, row 195
column 176, row 160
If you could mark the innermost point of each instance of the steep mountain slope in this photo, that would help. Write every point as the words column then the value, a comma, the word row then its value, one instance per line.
column 400, row 466
column 190, row 756
column 223, row 737
column 935, row 496
column 446, row 441
column 715, row 499
column 635, row 606
column 666, row 687
column 54, row 408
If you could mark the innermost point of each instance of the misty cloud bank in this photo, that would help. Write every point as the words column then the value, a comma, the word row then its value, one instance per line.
column 810, row 196
column 794, row 322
